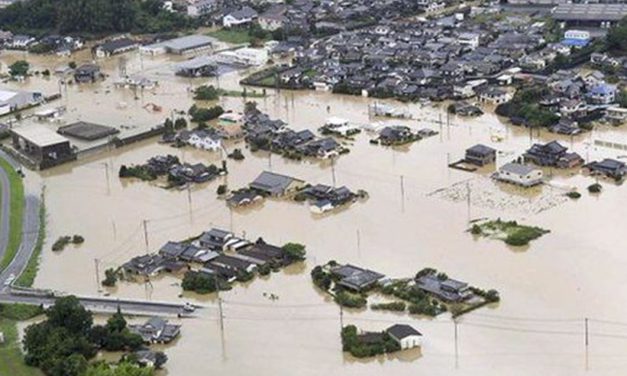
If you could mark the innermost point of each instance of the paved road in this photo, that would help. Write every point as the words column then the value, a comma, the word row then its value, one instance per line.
column 104, row 305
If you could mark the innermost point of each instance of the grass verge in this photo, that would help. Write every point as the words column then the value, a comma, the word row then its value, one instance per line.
column 16, row 213
column 11, row 357
column 233, row 36
column 27, row 278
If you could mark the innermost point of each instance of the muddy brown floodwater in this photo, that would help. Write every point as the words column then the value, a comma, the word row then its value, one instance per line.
column 547, row 289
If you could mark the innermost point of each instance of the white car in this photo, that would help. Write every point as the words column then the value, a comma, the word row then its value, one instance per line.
column 9, row 280
column 188, row 307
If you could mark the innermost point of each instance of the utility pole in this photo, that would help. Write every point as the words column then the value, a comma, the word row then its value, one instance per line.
column 358, row 243
column 221, row 313
column 402, row 193
column 468, row 199
column 341, row 317
column 456, row 345
column 333, row 170
column 106, row 166
column 145, row 224
column 587, row 341
column 96, row 262
column 189, row 201
column 270, row 160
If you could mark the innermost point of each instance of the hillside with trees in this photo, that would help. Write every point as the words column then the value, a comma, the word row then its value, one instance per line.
column 91, row 17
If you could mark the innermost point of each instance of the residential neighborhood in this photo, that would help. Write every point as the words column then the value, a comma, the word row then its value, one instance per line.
column 193, row 187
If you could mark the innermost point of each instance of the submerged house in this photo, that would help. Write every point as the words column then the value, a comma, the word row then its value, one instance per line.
column 395, row 134
column 215, row 239
column 274, row 184
column 519, row 174
column 406, row 336
column 447, row 289
column 87, row 73
column 156, row 330
column 608, row 167
column 356, row 278
column 480, row 155
column 150, row 265
column 552, row 154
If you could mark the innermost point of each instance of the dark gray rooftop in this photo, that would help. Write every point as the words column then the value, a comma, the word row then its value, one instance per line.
column 590, row 12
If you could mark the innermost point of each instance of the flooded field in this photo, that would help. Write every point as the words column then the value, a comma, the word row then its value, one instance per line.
column 547, row 289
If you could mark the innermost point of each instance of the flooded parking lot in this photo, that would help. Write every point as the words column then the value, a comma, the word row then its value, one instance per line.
column 547, row 289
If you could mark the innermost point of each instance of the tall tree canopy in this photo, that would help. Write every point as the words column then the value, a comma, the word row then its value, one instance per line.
column 90, row 16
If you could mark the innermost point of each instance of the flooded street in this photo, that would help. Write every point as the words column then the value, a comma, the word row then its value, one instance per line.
column 547, row 289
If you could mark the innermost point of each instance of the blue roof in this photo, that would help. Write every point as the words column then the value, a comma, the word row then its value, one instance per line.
column 575, row 42
column 603, row 89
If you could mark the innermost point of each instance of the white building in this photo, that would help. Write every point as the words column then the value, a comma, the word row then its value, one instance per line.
column 14, row 100
column 243, row 16
column 244, row 56
column 406, row 336
column 520, row 174
column 200, row 7
column 469, row 39
column 204, row 140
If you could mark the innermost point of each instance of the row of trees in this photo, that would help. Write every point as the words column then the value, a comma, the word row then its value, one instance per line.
column 91, row 16
column 63, row 344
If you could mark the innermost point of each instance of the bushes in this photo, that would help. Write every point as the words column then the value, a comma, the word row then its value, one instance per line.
column 321, row 278
column 140, row 172
column 595, row 188
column 350, row 300
column 573, row 194
column 511, row 232
column 19, row 68
column 359, row 348
column 111, row 277
column 63, row 241
column 236, row 154
column 294, row 251
column 206, row 93
column 201, row 115
column 200, row 283
column 393, row 306
column 222, row 189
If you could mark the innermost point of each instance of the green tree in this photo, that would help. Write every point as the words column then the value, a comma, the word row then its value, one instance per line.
column 19, row 68
column 616, row 38
column 294, row 251
column 67, row 312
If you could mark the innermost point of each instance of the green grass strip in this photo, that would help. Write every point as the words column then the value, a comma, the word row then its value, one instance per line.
column 16, row 213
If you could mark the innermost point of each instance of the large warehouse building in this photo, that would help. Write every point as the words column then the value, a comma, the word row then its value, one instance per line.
column 180, row 46
column 43, row 147
column 590, row 15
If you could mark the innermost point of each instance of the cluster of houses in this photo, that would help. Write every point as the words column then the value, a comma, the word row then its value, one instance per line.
column 527, row 173
column 274, row 135
column 305, row 16
column 178, row 174
column 359, row 280
column 447, row 57
column 322, row 198
column 205, row 139
column 216, row 253
column 62, row 45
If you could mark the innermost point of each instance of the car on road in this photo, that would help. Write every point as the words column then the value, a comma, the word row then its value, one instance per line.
column 9, row 280
column 188, row 307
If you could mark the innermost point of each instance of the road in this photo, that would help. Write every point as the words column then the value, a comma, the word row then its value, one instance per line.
column 104, row 305
column 30, row 232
